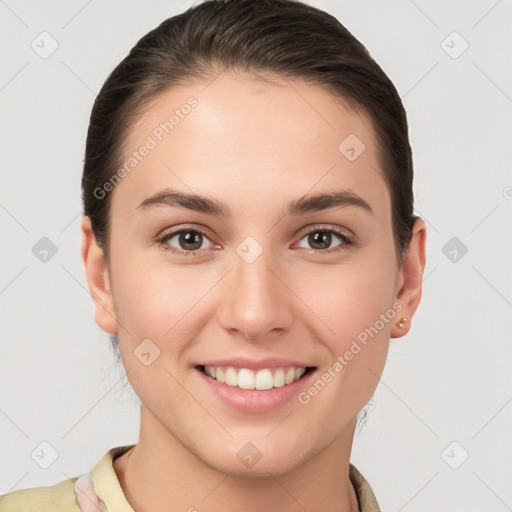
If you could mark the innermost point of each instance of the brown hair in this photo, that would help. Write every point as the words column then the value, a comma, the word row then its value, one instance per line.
column 281, row 38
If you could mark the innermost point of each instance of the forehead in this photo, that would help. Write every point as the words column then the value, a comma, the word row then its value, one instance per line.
column 240, row 136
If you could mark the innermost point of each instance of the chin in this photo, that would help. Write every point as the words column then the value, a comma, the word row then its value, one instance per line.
column 246, row 460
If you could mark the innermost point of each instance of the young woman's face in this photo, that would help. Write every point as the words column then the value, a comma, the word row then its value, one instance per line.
column 262, row 287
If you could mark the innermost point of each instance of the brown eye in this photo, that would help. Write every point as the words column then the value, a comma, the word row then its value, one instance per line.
column 187, row 241
column 190, row 240
column 320, row 239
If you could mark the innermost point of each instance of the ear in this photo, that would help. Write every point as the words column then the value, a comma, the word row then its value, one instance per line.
column 410, row 278
column 98, row 279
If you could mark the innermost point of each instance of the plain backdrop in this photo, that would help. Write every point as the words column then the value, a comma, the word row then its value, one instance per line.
column 438, row 434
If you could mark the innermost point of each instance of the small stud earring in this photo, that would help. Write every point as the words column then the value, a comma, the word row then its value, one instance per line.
column 401, row 322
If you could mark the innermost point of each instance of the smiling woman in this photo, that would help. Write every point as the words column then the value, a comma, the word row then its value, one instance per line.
column 252, row 265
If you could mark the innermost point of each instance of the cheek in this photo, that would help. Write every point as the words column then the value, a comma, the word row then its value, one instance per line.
column 356, row 318
column 164, row 303
column 353, row 307
column 350, row 297
column 148, row 295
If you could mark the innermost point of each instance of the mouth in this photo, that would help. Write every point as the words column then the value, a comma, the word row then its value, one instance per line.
column 260, row 380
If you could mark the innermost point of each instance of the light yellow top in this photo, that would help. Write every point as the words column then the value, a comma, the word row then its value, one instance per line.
column 105, row 492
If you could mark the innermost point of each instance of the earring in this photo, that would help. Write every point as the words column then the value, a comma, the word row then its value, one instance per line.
column 401, row 322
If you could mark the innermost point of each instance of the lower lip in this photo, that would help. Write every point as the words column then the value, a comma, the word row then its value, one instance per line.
column 253, row 400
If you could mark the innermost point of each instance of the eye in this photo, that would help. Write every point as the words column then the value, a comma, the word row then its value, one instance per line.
column 189, row 241
column 321, row 237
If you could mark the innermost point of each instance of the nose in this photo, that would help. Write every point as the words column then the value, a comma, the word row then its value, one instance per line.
column 256, row 303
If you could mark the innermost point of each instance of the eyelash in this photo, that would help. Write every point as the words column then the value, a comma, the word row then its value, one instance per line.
column 346, row 239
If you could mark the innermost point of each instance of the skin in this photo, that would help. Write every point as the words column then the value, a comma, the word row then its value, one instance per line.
column 254, row 145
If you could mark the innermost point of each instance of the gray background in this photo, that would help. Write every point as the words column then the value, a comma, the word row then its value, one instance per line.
column 447, row 380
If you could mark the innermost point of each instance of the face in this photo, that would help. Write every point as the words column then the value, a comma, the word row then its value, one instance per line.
column 262, row 286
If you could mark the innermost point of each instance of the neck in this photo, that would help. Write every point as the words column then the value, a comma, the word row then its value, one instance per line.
column 160, row 474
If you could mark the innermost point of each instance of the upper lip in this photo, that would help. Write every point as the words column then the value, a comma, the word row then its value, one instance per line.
column 253, row 364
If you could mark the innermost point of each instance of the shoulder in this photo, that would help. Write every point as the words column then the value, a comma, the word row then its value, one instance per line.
column 90, row 491
column 364, row 492
column 55, row 498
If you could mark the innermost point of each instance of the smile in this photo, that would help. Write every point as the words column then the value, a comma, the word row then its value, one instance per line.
column 261, row 380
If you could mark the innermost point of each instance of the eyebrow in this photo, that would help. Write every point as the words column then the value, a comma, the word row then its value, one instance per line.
column 209, row 206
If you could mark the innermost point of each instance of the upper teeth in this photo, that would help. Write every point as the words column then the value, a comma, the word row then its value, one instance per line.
column 248, row 379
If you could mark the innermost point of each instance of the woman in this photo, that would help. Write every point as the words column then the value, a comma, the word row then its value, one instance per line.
column 250, row 244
